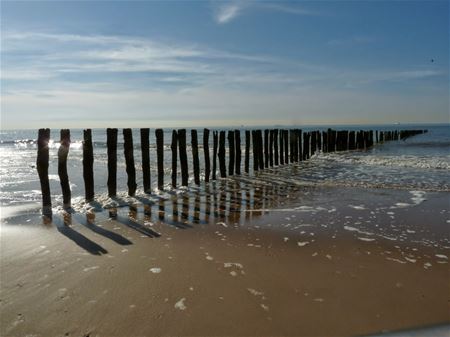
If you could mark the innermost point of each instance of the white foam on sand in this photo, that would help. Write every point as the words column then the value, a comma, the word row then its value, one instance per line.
column 302, row 244
column 233, row 264
column 358, row 207
column 255, row 292
column 155, row 270
column 441, row 256
column 180, row 304
column 366, row 239
column 354, row 229
column 90, row 268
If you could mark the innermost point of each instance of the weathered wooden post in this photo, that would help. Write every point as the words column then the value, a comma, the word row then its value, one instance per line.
column 206, row 152
column 255, row 151
column 111, row 143
column 129, row 161
column 145, row 151
column 247, row 151
column 291, row 145
column 215, row 147
column 281, row 147
column 299, row 145
column 260, row 149
column 319, row 140
column 173, row 147
column 42, row 168
column 63, row 152
column 286, row 146
column 231, row 148
column 351, row 140
column 313, row 142
column 270, row 148
column 222, row 163
column 195, row 159
column 266, row 148
column 88, row 165
column 159, row 133
column 238, row 152
column 376, row 136
column 183, row 157
column 275, row 143
column 305, row 145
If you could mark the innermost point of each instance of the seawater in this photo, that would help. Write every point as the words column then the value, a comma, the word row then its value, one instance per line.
column 421, row 162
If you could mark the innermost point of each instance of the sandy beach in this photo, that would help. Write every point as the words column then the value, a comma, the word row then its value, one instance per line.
column 273, row 260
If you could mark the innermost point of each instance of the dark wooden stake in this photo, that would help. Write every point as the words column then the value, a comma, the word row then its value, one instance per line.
column 195, row 160
column 63, row 152
column 129, row 161
column 260, row 149
column 247, row 151
column 286, row 146
column 159, row 133
column 275, row 143
column 255, row 151
column 183, row 157
column 266, row 148
column 238, row 152
column 42, row 168
column 231, row 153
column 206, row 152
column 215, row 147
column 88, row 165
column 145, row 152
column 173, row 147
column 111, row 143
column 222, row 163
column 270, row 148
column 281, row 147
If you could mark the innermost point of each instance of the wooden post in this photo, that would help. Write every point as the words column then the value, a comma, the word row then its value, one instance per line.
column 206, row 152
column 129, row 161
column 351, row 140
column 222, row 164
column 319, row 140
column 88, row 165
column 255, row 151
column 260, row 149
column 159, row 133
column 313, row 142
column 42, row 168
column 305, row 145
column 195, row 159
column 183, row 157
column 63, row 152
column 270, row 148
column 111, row 143
column 299, row 145
column 215, row 147
column 281, row 147
column 237, row 142
column 291, row 145
column 247, row 151
column 231, row 148
column 286, row 146
column 145, row 150
column 173, row 147
column 275, row 143
column 266, row 148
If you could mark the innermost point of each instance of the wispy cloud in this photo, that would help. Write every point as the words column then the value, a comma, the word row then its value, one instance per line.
column 226, row 12
column 351, row 40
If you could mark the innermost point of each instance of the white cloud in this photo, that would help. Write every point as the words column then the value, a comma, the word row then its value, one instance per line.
column 227, row 12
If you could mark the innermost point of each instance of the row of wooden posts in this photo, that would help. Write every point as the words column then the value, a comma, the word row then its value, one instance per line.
column 270, row 148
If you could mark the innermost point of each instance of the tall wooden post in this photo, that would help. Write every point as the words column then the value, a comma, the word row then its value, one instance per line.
column 173, row 147
column 281, row 147
column 88, row 165
column 195, row 159
column 222, row 163
column 42, row 168
column 206, row 152
column 238, row 152
column 159, row 133
column 231, row 149
column 183, row 157
column 255, row 151
column 260, row 149
column 299, row 145
column 111, row 143
column 270, row 148
column 266, row 148
column 63, row 152
column 247, row 151
column 129, row 161
column 275, row 144
column 215, row 147
column 286, row 146
column 145, row 152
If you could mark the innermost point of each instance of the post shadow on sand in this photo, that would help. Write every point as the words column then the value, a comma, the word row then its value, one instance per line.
column 89, row 222
column 63, row 226
column 132, row 223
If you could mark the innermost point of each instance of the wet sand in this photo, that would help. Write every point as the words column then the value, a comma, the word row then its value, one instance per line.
column 268, row 261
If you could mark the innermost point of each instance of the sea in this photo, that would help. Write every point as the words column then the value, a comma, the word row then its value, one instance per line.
column 421, row 162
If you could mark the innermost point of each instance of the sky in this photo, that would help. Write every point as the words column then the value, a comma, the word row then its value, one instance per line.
column 70, row 64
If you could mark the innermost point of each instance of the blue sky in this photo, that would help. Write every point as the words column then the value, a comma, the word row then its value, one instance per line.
column 195, row 63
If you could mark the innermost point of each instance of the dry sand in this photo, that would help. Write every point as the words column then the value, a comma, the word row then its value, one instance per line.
column 309, row 263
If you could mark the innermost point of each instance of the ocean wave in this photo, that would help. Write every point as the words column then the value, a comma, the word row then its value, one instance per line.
column 403, row 161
